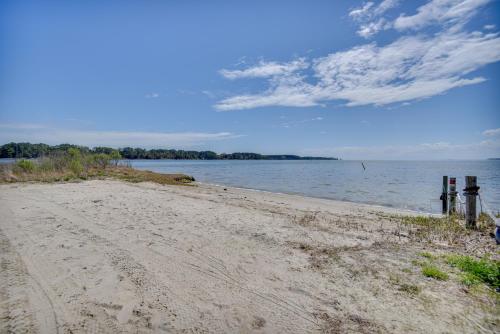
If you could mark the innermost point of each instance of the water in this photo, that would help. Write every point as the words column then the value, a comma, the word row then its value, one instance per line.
column 412, row 185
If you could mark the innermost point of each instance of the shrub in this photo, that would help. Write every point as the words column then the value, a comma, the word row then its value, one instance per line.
column 76, row 167
column 115, row 156
column 434, row 272
column 101, row 160
column 27, row 166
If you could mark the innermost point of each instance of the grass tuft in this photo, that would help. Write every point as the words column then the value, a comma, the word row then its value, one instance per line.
column 434, row 272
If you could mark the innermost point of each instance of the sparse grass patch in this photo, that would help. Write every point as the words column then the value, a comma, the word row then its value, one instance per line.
column 306, row 220
column 410, row 289
column 427, row 255
column 432, row 271
column 418, row 263
column 484, row 270
column 449, row 230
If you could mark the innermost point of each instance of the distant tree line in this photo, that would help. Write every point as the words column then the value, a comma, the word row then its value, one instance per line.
column 29, row 151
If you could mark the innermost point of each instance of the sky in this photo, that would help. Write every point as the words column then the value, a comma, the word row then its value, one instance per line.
column 379, row 79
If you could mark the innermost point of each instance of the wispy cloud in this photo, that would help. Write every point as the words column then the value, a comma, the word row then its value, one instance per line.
column 266, row 69
column 492, row 132
column 412, row 67
column 49, row 135
column 290, row 124
column 438, row 150
column 369, row 17
column 21, row 126
column 152, row 95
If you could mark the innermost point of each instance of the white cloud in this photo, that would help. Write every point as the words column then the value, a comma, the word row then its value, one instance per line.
column 492, row 132
column 489, row 27
column 152, row 95
column 266, row 69
column 440, row 11
column 109, row 138
column 407, row 69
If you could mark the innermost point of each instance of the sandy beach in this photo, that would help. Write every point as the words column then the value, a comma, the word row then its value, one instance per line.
column 112, row 257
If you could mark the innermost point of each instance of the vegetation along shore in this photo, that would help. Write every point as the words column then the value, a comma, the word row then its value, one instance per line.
column 28, row 151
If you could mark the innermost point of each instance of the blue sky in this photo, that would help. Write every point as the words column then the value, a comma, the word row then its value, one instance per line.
column 380, row 79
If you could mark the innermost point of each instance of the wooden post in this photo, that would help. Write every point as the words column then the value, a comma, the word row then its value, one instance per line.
column 470, row 192
column 444, row 195
column 453, row 195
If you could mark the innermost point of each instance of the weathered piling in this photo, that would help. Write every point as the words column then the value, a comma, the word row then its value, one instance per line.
column 470, row 192
column 444, row 195
column 453, row 195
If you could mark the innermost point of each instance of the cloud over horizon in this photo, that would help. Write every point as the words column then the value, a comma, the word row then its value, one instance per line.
column 36, row 133
column 414, row 66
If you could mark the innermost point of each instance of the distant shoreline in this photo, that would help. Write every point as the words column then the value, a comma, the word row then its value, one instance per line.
column 29, row 151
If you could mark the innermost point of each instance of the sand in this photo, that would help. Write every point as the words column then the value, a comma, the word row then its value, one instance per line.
column 110, row 257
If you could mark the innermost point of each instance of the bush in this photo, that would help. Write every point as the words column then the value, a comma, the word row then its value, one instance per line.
column 27, row 166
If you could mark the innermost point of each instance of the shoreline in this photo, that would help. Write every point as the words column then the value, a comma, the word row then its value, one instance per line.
column 114, row 256
column 374, row 205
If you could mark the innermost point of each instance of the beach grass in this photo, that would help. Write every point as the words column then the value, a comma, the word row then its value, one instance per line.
column 74, row 165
